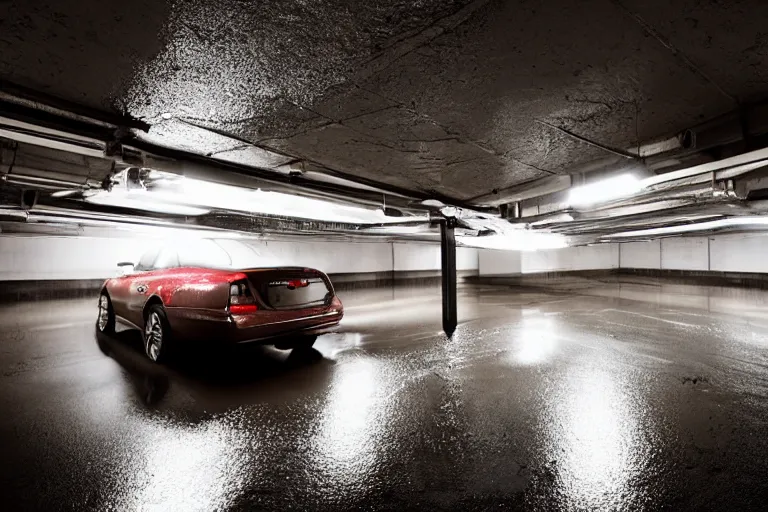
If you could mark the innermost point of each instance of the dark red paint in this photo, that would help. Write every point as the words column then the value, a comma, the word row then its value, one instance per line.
column 197, row 303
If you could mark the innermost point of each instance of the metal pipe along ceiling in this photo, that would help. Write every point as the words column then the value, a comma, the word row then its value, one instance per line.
column 693, row 186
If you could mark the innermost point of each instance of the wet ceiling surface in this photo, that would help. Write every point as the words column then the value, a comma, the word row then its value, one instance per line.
column 430, row 96
column 541, row 401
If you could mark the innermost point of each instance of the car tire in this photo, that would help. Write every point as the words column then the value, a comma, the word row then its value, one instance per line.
column 157, row 334
column 105, row 322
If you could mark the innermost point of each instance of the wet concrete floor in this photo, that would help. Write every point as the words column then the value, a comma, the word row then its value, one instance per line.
column 585, row 395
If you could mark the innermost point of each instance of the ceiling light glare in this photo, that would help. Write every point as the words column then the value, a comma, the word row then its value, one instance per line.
column 227, row 197
column 65, row 193
column 139, row 200
column 605, row 190
column 186, row 196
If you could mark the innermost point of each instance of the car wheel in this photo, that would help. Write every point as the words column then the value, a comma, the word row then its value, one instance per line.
column 157, row 334
column 106, row 320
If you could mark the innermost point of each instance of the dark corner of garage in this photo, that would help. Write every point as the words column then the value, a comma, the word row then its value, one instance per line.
column 398, row 255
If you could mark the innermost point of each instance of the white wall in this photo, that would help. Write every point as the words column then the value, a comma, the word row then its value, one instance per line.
column 591, row 257
column 722, row 253
column 51, row 257
column 641, row 255
column 467, row 258
column 739, row 253
column 330, row 257
column 685, row 253
column 594, row 257
column 499, row 263
column 64, row 257
column 416, row 256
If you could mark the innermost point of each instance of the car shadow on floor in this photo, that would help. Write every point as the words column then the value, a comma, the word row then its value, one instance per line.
column 235, row 371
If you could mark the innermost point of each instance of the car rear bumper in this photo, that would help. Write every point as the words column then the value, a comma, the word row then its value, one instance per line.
column 219, row 326
column 315, row 330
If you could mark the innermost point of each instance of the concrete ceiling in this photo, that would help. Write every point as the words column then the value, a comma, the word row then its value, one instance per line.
column 429, row 95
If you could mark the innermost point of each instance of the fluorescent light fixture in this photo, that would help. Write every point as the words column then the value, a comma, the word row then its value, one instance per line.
column 700, row 226
column 167, row 193
column 215, row 195
column 65, row 193
column 605, row 190
column 137, row 200
column 398, row 230
column 100, row 227
column 518, row 240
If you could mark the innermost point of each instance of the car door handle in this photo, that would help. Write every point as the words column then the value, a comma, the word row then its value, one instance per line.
column 142, row 288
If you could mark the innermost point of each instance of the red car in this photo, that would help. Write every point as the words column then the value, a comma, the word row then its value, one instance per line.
column 197, row 292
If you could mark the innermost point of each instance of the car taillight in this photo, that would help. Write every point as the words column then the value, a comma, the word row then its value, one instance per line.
column 336, row 302
column 241, row 300
column 242, row 309
column 297, row 283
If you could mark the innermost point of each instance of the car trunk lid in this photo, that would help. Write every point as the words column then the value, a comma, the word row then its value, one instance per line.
column 291, row 288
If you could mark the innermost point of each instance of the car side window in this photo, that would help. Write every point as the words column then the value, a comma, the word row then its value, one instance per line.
column 147, row 260
column 168, row 258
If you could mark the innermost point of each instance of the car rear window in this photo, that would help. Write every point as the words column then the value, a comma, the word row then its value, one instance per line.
column 296, row 292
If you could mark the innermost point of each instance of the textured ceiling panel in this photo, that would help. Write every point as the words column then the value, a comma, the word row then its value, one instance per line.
column 429, row 95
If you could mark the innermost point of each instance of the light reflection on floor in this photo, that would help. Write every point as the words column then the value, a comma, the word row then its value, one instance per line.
column 185, row 468
column 346, row 447
column 597, row 444
column 536, row 340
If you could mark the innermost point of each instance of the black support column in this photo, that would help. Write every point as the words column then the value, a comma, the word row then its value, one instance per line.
column 448, row 272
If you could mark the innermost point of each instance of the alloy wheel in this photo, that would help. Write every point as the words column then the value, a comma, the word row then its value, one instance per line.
column 153, row 336
column 103, row 313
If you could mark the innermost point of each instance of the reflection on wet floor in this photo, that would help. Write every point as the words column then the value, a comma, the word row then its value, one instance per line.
column 583, row 396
